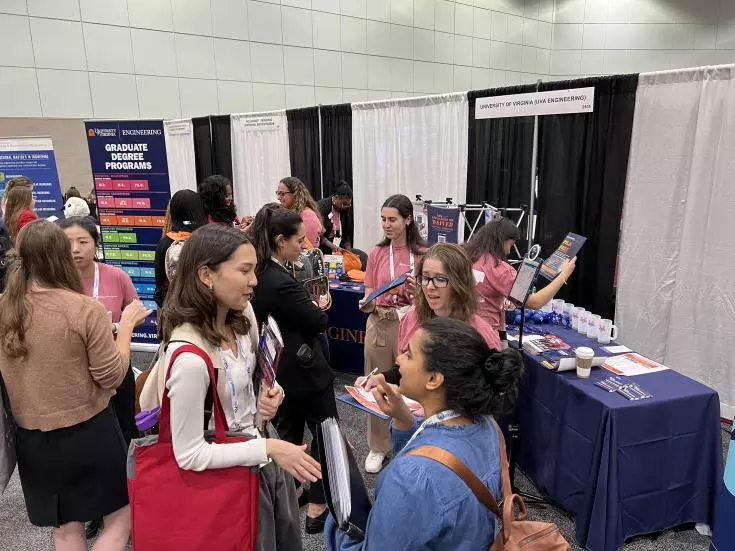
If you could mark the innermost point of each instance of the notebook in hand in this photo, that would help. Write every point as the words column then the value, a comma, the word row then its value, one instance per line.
column 344, row 488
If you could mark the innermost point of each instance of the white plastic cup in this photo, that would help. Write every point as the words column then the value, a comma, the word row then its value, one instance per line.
column 558, row 306
column 606, row 331
column 582, row 322
column 576, row 312
column 584, row 356
column 567, row 314
column 593, row 320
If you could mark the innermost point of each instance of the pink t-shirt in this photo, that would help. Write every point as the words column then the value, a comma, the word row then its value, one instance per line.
column 410, row 323
column 377, row 274
column 116, row 289
column 336, row 221
column 496, row 283
column 312, row 225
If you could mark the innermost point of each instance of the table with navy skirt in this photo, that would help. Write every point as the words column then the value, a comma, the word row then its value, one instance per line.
column 621, row 468
column 346, row 331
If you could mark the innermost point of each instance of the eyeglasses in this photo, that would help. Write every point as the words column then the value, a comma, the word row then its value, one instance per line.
column 439, row 281
column 281, row 194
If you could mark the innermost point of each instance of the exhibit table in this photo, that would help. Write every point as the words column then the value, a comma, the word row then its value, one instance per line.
column 346, row 331
column 621, row 468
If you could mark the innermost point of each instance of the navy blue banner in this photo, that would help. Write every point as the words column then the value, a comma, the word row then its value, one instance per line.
column 131, row 180
column 33, row 158
column 443, row 224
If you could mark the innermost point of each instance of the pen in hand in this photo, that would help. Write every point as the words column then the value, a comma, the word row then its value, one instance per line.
column 373, row 372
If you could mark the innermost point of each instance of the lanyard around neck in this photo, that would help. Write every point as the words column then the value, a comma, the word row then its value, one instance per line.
column 440, row 417
column 231, row 381
column 392, row 266
column 96, row 284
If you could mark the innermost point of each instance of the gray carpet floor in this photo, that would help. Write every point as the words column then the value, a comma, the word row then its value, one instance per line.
column 17, row 534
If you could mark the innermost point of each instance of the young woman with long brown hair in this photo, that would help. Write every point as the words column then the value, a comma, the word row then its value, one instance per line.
column 293, row 195
column 19, row 203
column 396, row 254
column 60, row 365
column 208, row 305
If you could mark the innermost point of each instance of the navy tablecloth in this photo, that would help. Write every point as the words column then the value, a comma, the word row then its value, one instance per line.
column 621, row 468
column 346, row 331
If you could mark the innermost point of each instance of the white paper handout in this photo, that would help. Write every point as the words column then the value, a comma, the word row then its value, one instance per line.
column 632, row 364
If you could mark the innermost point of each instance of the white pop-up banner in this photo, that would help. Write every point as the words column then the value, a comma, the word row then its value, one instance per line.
column 556, row 102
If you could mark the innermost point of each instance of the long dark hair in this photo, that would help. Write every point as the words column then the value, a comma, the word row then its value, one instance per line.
column 85, row 222
column 188, row 299
column 491, row 239
column 186, row 211
column 477, row 380
column 271, row 221
column 213, row 191
column 404, row 206
column 461, row 282
column 43, row 257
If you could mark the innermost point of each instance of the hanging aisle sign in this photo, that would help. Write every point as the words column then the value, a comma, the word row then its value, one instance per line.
column 33, row 158
column 443, row 224
column 130, row 174
column 556, row 102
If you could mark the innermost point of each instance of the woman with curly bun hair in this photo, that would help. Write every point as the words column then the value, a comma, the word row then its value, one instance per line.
column 461, row 383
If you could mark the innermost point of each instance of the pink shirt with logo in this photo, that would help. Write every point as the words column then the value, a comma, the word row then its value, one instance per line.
column 410, row 323
column 116, row 289
column 377, row 274
column 497, row 281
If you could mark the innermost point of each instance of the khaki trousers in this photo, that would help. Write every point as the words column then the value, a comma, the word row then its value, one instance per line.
column 381, row 350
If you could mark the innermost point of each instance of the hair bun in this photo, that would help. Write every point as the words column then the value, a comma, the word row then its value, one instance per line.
column 493, row 366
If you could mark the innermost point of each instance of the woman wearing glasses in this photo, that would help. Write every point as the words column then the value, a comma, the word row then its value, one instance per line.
column 293, row 195
column 447, row 290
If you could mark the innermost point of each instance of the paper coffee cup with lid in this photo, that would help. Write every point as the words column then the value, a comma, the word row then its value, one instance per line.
column 584, row 356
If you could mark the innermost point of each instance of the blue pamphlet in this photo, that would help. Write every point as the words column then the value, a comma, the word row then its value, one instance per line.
column 400, row 280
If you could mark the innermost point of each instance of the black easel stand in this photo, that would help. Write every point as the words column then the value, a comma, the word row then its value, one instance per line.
column 514, row 432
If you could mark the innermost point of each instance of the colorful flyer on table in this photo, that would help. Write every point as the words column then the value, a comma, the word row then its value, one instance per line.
column 568, row 249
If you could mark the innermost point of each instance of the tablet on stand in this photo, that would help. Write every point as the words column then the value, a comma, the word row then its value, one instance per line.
column 521, row 290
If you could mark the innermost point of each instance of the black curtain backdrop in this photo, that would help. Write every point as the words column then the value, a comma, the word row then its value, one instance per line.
column 583, row 163
column 203, row 154
column 221, row 145
column 303, row 145
column 336, row 145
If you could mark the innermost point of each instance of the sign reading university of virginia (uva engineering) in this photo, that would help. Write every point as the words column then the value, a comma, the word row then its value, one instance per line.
column 556, row 102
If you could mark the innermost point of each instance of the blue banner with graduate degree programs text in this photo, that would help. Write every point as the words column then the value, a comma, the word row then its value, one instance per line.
column 130, row 173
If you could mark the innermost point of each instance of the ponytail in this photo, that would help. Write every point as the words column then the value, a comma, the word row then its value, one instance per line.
column 477, row 380
column 14, row 311
column 271, row 221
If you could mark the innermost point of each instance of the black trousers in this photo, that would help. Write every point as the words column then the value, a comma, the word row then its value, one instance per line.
column 310, row 410
column 123, row 404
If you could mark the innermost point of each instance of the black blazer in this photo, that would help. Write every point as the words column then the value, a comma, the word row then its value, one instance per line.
column 279, row 295
column 348, row 224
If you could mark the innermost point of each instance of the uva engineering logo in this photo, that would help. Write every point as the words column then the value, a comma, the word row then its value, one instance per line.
column 102, row 132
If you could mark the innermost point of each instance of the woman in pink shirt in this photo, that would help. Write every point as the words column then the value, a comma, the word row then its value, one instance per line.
column 489, row 249
column 293, row 195
column 113, row 288
column 397, row 254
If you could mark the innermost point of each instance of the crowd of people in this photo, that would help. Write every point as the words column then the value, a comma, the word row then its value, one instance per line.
column 67, row 318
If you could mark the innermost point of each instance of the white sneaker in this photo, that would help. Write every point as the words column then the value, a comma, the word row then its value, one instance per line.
column 374, row 462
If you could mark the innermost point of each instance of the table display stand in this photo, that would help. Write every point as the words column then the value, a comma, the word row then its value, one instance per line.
column 514, row 425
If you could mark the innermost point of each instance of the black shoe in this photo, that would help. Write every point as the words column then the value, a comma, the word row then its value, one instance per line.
column 93, row 528
column 315, row 525
column 304, row 498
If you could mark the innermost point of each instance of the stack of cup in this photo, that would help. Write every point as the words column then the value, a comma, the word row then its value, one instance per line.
column 567, row 314
column 584, row 361
column 582, row 322
column 593, row 321
column 576, row 312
